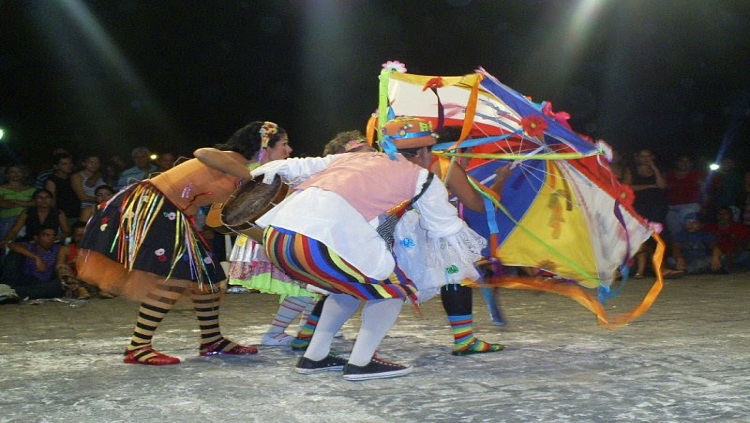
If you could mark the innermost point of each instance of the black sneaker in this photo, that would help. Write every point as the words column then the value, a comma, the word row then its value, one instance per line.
column 376, row 369
column 306, row 366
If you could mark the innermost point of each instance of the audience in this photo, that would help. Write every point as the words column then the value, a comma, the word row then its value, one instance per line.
column 141, row 170
column 733, row 238
column 31, row 270
column 15, row 196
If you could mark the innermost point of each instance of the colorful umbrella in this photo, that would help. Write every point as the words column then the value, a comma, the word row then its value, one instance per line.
column 561, row 211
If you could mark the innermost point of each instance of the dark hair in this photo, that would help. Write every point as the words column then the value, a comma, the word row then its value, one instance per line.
column 411, row 152
column 449, row 133
column 78, row 224
column 45, row 227
column 246, row 140
column 59, row 156
column 39, row 191
column 107, row 187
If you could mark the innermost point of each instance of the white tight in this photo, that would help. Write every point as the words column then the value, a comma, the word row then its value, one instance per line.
column 378, row 316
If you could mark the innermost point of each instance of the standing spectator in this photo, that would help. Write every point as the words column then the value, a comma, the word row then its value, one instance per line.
column 648, row 186
column 142, row 169
column 59, row 185
column 86, row 181
column 731, row 186
column 684, row 186
column 733, row 238
column 35, row 271
column 15, row 196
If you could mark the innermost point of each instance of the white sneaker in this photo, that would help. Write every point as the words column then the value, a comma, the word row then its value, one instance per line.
column 276, row 339
column 338, row 334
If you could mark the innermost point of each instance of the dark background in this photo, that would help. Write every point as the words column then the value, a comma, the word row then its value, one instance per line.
column 107, row 76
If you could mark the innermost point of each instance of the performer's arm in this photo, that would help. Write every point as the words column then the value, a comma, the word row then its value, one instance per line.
column 294, row 169
column 225, row 161
column 438, row 216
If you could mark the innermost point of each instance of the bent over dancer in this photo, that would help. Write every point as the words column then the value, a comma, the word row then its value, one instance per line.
column 143, row 244
column 343, row 243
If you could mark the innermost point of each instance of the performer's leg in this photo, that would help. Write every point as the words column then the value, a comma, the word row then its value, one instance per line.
column 306, row 332
column 490, row 299
column 378, row 316
column 457, row 302
column 152, row 311
column 337, row 309
column 289, row 309
column 207, row 306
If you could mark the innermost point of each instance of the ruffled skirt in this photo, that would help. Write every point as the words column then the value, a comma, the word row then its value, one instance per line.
column 251, row 269
column 139, row 229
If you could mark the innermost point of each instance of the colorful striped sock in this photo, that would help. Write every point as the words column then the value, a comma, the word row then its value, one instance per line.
column 289, row 309
column 462, row 329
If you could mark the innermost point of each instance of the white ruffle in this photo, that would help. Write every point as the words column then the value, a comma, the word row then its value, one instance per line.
column 432, row 263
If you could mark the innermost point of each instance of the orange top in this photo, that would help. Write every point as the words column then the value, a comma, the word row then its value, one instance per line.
column 191, row 185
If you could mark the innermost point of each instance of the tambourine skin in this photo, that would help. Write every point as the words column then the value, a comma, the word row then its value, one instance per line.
column 251, row 201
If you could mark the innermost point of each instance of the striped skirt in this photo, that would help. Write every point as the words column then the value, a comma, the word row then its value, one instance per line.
column 309, row 260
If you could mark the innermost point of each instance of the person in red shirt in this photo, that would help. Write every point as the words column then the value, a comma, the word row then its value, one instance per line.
column 733, row 238
column 684, row 186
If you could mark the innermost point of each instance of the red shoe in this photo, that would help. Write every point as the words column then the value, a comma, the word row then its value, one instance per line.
column 149, row 356
column 220, row 347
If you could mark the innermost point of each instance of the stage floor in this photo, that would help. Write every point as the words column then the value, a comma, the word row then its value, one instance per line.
column 686, row 360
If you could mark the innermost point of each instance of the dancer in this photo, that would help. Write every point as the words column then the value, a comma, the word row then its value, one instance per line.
column 457, row 300
column 343, row 142
column 251, row 269
column 143, row 244
column 343, row 244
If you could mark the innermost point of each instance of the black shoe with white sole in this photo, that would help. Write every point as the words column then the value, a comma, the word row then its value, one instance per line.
column 376, row 369
column 330, row 363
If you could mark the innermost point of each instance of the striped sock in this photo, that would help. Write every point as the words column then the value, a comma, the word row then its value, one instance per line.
column 462, row 329
column 207, row 310
column 150, row 314
column 289, row 310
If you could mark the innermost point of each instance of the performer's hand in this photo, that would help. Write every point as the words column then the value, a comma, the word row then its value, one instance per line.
column 268, row 170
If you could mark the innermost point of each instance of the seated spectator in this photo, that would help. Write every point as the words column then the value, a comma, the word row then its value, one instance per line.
column 68, row 273
column 746, row 203
column 696, row 251
column 142, row 169
column 33, row 270
column 733, row 238
column 15, row 196
column 102, row 194
column 59, row 184
column 40, row 215
column 85, row 181
column 41, row 178
column 110, row 173
column 684, row 189
column 165, row 161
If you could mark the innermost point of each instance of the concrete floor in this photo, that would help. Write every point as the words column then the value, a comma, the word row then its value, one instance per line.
column 685, row 360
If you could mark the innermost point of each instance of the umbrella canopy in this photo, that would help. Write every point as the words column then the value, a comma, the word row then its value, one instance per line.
column 561, row 210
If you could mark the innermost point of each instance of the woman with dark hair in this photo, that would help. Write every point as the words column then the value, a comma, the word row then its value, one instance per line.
column 251, row 268
column 41, row 214
column 143, row 243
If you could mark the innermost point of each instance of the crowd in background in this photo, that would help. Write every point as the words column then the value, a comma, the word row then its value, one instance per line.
column 705, row 214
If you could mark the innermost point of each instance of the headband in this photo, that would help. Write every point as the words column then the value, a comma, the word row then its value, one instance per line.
column 268, row 130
